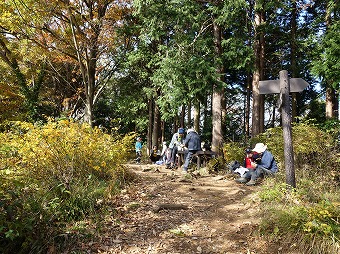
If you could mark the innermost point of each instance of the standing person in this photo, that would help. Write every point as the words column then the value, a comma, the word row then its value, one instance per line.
column 155, row 154
column 138, row 148
column 193, row 144
column 266, row 165
column 176, row 141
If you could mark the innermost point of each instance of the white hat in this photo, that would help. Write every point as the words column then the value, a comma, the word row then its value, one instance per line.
column 260, row 148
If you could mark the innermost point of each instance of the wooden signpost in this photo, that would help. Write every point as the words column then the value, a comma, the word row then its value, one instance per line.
column 284, row 86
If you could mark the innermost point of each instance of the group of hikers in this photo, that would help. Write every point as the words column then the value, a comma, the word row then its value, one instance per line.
column 258, row 162
column 189, row 144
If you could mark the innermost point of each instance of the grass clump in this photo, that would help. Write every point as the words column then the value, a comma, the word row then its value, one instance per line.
column 55, row 175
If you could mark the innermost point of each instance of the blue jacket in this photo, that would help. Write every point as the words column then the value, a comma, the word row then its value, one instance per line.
column 138, row 146
column 268, row 162
column 193, row 141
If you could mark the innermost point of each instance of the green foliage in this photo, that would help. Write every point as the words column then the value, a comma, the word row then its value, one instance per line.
column 273, row 193
column 310, row 212
column 332, row 127
column 55, row 174
column 233, row 152
column 327, row 63
column 306, row 144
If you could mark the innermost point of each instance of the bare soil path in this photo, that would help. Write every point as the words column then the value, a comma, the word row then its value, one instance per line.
column 166, row 212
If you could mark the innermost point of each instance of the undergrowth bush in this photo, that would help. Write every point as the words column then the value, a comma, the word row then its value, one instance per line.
column 305, row 219
column 309, row 215
column 53, row 174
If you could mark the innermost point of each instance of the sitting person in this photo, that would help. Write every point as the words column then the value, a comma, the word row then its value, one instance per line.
column 248, row 163
column 165, row 153
column 175, row 144
column 155, row 154
column 266, row 165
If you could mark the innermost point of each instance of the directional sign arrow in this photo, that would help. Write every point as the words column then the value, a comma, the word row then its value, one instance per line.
column 273, row 86
column 269, row 86
column 297, row 85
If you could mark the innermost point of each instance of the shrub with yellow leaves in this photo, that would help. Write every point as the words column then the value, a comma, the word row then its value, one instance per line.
column 56, row 173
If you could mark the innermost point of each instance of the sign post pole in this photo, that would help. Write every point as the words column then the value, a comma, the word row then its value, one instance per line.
column 284, row 86
column 287, row 128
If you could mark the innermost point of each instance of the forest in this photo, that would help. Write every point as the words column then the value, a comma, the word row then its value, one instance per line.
column 82, row 78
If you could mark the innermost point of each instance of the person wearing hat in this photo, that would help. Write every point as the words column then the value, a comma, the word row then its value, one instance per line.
column 175, row 143
column 266, row 165
column 193, row 144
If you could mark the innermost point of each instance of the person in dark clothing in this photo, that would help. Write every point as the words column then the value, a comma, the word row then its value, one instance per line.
column 155, row 154
column 265, row 165
column 193, row 144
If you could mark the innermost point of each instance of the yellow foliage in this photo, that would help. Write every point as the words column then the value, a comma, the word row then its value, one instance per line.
column 65, row 150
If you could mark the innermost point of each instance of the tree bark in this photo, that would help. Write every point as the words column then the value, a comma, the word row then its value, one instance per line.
column 87, row 54
column 293, row 56
column 330, row 103
column 258, row 99
column 149, row 135
column 247, row 107
column 197, row 116
column 331, row 97
column 189, row 124
column 182, row 120
column 156, row 126
column 217, row 110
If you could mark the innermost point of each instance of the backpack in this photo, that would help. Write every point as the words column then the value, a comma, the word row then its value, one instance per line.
column 234, row 165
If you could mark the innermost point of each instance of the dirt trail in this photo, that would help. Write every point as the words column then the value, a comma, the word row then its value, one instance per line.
column 220, row 216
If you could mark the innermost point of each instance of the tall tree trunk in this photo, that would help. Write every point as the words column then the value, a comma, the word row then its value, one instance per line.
column 293, row 48
column 330, row 103
column 150, row 127
column 162, row 131
column 197, row 116
column 156, row 125
column 248, row 86
column 336, row 105
column 258, row 99
column 206, row 109
column 262, row 67
column 182, row 120
column 91, row 64
column 256, row 105
column 331, row 97
column 87, row 53
column 176, row 124
column 273, row 117
column 217, row 110
column 189, row 124
column 247, row 107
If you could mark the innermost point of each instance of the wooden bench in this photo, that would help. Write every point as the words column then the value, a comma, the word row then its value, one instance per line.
column 202, row 157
